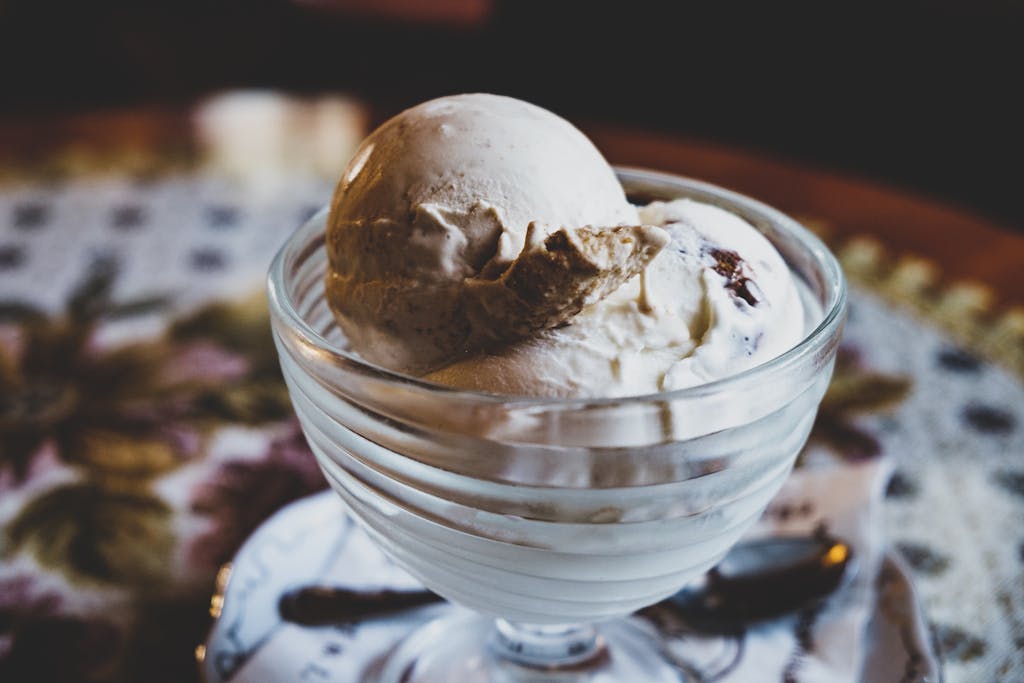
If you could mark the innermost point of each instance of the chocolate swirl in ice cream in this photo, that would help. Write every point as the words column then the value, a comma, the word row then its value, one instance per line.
column 729, row 265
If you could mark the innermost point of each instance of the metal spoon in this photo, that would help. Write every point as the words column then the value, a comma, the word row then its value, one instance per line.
column 757, row 580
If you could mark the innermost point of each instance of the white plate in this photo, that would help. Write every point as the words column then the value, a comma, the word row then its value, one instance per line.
column 311, row 540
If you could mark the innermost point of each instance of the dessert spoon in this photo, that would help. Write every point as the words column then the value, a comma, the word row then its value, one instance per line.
column 757, row 580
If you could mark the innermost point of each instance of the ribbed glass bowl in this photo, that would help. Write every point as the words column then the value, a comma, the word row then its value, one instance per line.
column 545, row 511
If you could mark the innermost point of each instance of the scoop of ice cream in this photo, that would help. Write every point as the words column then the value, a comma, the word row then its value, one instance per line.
column 717, row 300
column 441, row 196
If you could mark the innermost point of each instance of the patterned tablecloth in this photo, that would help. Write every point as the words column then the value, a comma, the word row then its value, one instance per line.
column 145, row 431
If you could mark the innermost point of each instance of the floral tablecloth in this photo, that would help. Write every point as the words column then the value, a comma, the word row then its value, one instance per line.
column 145, row 430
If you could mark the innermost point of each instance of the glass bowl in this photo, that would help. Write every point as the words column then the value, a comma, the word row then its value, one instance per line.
column 550, row 519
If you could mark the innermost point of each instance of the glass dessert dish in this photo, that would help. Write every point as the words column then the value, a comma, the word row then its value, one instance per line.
column 553, row 519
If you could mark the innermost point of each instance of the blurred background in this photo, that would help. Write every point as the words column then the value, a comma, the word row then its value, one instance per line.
column 922, row 95
column 155, row 153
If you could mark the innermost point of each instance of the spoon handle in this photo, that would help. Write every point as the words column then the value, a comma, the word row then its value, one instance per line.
column 757, row 580
column 322, row 605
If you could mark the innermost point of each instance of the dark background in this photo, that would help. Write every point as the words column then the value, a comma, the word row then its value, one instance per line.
column 921, row 95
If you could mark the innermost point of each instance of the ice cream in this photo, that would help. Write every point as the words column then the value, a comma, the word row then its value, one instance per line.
column 717, row 300
column 484, row 243
column 442, row 193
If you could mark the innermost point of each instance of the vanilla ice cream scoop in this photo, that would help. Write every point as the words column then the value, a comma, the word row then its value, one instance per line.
column 439, row 199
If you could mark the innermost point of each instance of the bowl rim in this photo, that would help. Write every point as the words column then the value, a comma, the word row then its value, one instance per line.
column 304, row 238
